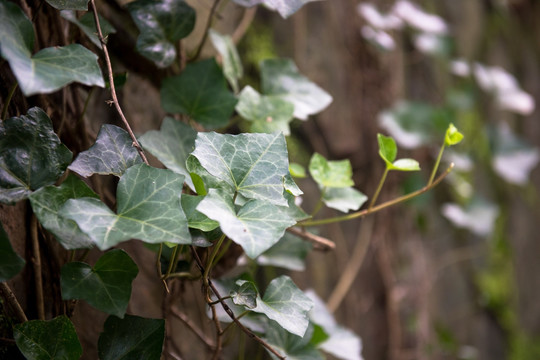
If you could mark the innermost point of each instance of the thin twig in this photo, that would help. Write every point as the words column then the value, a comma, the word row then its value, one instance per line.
column 13, row 302
column 187, row 321
column 219, row 334
column 320, row 242
column 205, row 33
column 8, row 100
column 111, row 83
column 36, row 260
column 243, row 26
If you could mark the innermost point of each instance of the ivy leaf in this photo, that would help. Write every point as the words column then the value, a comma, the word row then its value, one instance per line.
column 285, row 8
column 87, row 24
column 343, row 199
column 148, row 209
column 112, row 154
column 46, row 203
column 172, row 145
column 106, row 286
column 388, row 152
column 297, row 170
column 245, row 294
column 281, row 78
column 291, row 346
column 405, row 165
column 133, row 338
column 288, row 253
column 162, row 24
column 51, row 68
column 81, row 5
column 287, row 305
column 200, row 92
column 452, row 136
column 256, row 227
column 10, row 262
column 232, row 66
column 290, row 186
column 52, row 339
column 196, row 219
column 31, row 155
column 266, row 114
column 252, row 164
column 293, row 210
column 335, row 174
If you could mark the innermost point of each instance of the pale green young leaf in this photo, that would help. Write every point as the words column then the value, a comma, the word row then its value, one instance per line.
column 343, row 199
column 405, row 165
column 336, row 174
column 10, row 262
column 256, row 226
column 297, row 170
column 452, row 136
column 387, row 149
column 232, row 66
column 148, row 209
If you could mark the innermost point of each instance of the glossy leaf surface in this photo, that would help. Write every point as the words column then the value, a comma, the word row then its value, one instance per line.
column 133, row 338
column 251, row 164
column 31, row 155
column 52, row 339
column 343, row 199
column 10, row 262
column 106, row 286
column 245, row 294
column 336, row 174
column 112, row 154
column 87, row 24
column 287, row 305
column 388, row 152
column 46, row 203
column 281, row 78
column 291, row 346
column 148, row 209
column 232, row 66
column 69, row 4
column 200, row 92
column 172, row 145
column 161, row 23
column 257, row 225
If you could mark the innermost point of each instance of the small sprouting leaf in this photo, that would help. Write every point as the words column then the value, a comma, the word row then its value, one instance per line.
column 200, row 92
column 290, row 346
column 343, row 199
column 87, row 24
column 245, row 294
column 232, row 66
column 133, row 337
column 256, row 227
column 148, row 209
column 47, row 201
column 172, row 145
column 280, row 78
column 266, row 114
column 10, row 262
column 387, row 149
column 52, row 339
column 288, row 253
column 162, row 23
column 196, row 219
column 336, row 174
column 31, row 155
column 251, row 164
column 452, row 136
column 297, row 170
column 287, row 305
column 405, row 165
column 106, row 285
column 112, row 154
column 284, row 8
column 81, row 5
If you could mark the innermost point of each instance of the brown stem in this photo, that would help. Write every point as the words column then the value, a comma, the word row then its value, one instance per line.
column 243, row 26
column 205, row 33
column 36, row 261
column 187, row 321
column 219, row 333
column 319, row 242
column 111, row 81
column 10, row 298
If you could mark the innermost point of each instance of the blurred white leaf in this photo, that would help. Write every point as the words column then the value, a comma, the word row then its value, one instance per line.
column 479, row 217
column 378, row 20
column 415, row 17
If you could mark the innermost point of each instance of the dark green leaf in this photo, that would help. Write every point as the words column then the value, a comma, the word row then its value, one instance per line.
column 47, row 201
column 31, row 155
column 87, row 24
column 133, row 338
column 289, row 253
column 245, row 294
column 257, row 225
column 106, row 286
column 232, row 67
column 266, row 114
column 200, row 92
column 44, row 340
column 280, row 78
column 336, row 174
column 112, row 154
column 51, row 68
column 69, row 4
column 172, row 145
column 287, row 305
column 343, row 199
column 162, row 23
column 202, row 179
column 253, row 165
column 196, row 219
column 285, row 8
column 10, row 262
column 148, row 209
column 291, row 346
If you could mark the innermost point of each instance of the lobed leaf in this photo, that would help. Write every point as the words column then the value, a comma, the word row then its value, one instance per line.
column 112, row 154
column 335, row 174
column 10, row 262
column 232, row 66
column 31, row 155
